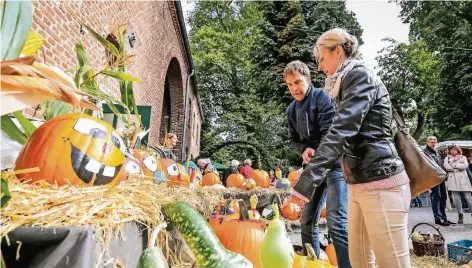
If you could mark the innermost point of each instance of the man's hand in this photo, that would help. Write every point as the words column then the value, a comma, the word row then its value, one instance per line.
column 308, row 154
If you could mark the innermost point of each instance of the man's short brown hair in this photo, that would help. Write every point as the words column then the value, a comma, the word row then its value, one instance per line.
column 297, row 66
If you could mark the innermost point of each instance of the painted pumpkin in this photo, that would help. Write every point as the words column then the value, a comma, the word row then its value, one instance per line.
column 249, row 184
column 293, row 177
column 242, row 236
column 253, row 213
column 196, row 179
column 291, row 210
column 210, row 179
column 73, row 148
column 147, row 162
column 172, row 171
column 130, row 167
column 283, row 183
column 261, row 178
column 235, row 180
column 223, row 213
column 278, row 173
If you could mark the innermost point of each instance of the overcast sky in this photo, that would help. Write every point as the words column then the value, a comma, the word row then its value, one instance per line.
column 378, row 19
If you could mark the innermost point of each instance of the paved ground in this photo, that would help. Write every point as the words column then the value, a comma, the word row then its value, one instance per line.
column 417, row 215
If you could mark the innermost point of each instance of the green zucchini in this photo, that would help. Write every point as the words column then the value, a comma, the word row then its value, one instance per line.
column 268, row 211
column 17, row 17
column 201, row 239
column 152, row 257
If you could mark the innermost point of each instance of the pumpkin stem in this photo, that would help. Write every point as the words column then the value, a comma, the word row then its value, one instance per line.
column 243, row 212
column 154, row 233
column 276, row 211
column 310, row 252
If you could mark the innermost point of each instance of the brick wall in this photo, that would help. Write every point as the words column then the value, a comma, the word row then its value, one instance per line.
column 159, row 51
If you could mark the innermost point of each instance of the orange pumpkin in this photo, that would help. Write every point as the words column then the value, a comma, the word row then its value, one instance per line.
column 291, row 210
column 73, row 148
column 175, row 173
column 249, row 184
column 210, row 179
column 261, row 178
column 148, row 163
column 130, row 166
column 235, row 180
column 242, row 236
column 293, row 177
column 323, row 213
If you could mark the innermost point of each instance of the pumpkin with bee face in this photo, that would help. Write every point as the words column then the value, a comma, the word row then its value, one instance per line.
column 73, row 148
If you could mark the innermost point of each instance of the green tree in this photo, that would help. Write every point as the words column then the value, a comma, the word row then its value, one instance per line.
column 446, row 28
column 290, row 30
column 411, row 74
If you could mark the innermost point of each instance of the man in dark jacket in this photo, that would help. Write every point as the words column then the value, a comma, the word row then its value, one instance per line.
column 309, row 118
column 438, row 192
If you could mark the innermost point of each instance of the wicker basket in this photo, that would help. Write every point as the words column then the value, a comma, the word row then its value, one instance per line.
column 429, row 247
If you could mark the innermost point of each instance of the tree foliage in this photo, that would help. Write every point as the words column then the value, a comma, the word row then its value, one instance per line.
column 445, row 27
column 411, row 74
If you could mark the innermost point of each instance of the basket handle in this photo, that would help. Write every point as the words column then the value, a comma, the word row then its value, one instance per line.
column 424, row 223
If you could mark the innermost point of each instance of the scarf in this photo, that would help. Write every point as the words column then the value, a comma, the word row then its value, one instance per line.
column 333, row 82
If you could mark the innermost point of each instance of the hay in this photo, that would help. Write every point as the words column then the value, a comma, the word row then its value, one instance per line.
column 431, row 262
column 105, row 208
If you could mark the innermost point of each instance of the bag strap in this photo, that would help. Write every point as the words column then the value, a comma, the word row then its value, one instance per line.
column 398, row 119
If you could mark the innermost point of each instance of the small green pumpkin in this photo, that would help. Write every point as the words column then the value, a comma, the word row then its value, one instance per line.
column 201, row 239
column 152, row 257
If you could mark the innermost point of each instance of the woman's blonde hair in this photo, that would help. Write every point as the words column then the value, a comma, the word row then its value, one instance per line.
column 338, row 37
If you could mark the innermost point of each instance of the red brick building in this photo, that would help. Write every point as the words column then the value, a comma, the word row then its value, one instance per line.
column 162, row 57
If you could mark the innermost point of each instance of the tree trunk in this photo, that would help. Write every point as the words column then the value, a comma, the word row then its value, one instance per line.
column 420, row 126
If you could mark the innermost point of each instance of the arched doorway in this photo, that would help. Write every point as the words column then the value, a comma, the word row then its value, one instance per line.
column 173, row 103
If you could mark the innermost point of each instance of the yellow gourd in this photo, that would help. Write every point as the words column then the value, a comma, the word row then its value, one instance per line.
column 253, row 213
column 309, row 261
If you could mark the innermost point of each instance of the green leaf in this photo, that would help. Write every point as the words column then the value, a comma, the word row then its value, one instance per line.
column 55, row 108
column 10, row 128
column 17, row 17
column 107, row 44
column 122, row 38
column 82, row 60
column 27, row 126
column 121, row 76
column 5, row 192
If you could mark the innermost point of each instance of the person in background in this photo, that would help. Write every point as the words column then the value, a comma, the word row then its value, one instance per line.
column 438, row 192
column 205, row 166
column 457, row 180
column 417, row 202
column 232, row 169
column 379, row 189
column 272, row 177
column 246, row 170
column 309, row 117
column 169, row 141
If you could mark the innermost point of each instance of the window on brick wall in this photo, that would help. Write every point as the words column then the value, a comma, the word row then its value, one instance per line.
column 110, row 57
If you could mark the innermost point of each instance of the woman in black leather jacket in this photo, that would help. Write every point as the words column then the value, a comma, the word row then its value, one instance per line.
column 361, row 134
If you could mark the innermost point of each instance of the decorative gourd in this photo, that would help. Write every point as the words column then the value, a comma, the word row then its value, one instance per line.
column 253, row 213
column 261, row 178
column 184, row 178
column 268, row 211
column 249, row 184
column 201, row 239
column 276, row 249
column 283, row 183
column 242, row 235
column 210, row 179
column 293, row 177
column 278, row 173
column 291, row 211
column 235, row 180
column 152, row 256
column 331, row 254
column 309, row 261
column 73, row 148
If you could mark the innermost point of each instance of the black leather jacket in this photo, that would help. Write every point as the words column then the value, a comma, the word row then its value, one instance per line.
column 434, row 155
column 361, row 133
